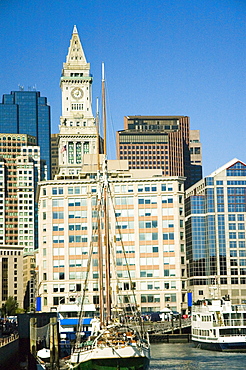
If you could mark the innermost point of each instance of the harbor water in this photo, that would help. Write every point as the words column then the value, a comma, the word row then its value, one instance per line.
column 174, row 356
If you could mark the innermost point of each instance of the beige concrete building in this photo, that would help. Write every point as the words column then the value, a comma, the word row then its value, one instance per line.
column 11, row 278
column 146, row 225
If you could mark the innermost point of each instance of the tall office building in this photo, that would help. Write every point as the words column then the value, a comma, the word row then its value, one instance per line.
column 157, row 142
column 26, row 112
column 148, row 207
column 20, row 170
column 215, row 233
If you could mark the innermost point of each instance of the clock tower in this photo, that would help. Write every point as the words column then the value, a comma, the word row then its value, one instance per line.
column 78, row 132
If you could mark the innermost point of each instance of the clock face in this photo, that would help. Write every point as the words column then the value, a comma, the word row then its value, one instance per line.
column 77, row 93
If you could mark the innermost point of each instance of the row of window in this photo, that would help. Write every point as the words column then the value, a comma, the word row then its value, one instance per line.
column 79, row 275
column 117, row 188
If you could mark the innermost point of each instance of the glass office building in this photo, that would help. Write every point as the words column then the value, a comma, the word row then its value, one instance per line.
column 26, row 112
column 215, row 233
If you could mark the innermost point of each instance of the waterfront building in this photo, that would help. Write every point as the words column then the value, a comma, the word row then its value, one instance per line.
column 159, row 142
column 147, row 217
column 11, row 279
column 26, row 112
column 215, row 233
column 148, row 214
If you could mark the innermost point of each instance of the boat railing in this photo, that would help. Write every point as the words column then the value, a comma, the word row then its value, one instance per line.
column 234, row 322
column 223, row 307
column 201, row 308
column 89, row 344
column 232, row 335
column 241, row 307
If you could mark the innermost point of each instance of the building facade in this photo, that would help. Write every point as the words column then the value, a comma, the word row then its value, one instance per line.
column 195, row 156
column 54, row 155
column 11, row 279
column 215, row 233
column 29, row 281
column 157, row 142
column 20, row 170
column 146, row 225
column 26, row 112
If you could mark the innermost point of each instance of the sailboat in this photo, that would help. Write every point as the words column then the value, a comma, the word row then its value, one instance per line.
column 115, row 342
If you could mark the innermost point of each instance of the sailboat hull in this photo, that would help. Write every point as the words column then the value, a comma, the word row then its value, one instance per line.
column 137, row 363
column 112, row 359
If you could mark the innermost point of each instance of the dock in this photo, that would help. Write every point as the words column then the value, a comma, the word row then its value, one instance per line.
column 178, row 331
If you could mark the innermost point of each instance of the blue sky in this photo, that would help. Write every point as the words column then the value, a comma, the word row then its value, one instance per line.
column 175, row 57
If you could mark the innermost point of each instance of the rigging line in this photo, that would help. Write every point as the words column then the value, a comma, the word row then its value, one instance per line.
column 123, row 247
column 122, row 244
column 127, row 265
column 79, row 325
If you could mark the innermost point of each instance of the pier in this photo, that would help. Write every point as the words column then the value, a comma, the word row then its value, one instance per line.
column 177, row 331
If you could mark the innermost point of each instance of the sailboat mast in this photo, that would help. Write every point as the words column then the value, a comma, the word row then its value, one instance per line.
column 106, row 224
column 99, row 200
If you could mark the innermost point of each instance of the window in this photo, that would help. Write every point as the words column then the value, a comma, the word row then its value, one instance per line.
column 148, row 236
column 58, row 215
column 168, row 236
column 167, row 199
column 57, row 203
column 58, row 227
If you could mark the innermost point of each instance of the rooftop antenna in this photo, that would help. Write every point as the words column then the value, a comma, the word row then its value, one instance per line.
column 21, row 88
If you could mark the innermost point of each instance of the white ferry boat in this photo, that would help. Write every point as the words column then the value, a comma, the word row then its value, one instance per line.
column 218, row 325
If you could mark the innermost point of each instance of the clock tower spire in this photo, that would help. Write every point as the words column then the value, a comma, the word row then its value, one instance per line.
column 78, row 132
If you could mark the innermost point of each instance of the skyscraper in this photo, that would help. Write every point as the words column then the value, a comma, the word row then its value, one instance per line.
column 215, row 233
column 158, row 142
column 26, row 112
column 20, row 170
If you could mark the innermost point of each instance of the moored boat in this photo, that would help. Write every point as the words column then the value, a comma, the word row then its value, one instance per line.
column 219, row 325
